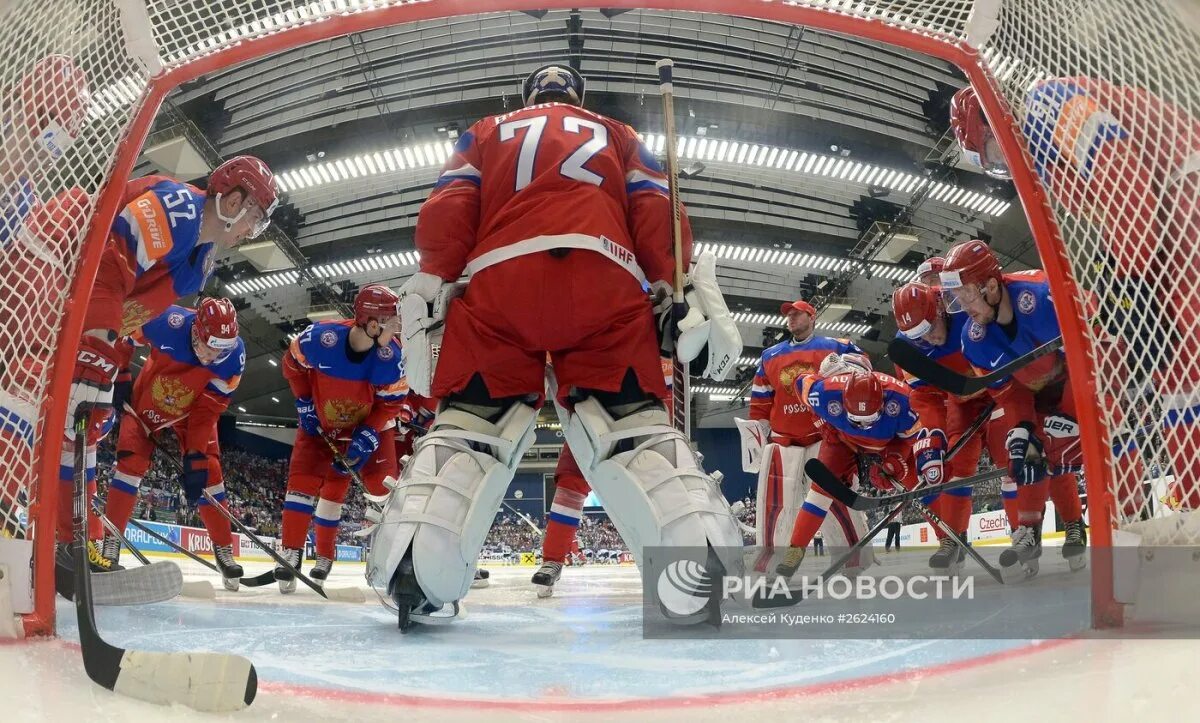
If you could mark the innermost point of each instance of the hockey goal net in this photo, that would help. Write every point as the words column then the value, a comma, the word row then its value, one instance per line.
column 1119, row 236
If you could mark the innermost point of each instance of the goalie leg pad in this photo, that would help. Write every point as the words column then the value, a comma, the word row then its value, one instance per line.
column 782, row 486
column 651, row 482
column 446, row 499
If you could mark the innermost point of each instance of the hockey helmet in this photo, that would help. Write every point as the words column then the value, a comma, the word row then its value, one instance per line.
column 215, row 327
column 558, row 80
column 863, row 398
column 375, row 301
column 256, row 181
column 974, row 135
column 970, row 263
column 928, row 270
column 916, row 307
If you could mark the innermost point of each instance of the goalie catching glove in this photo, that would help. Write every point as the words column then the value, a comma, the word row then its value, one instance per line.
column 707, row 323
column 835, row 364
column 424, row 301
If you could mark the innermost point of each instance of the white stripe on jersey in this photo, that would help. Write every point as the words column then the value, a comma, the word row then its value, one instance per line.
column 466, row 170
column 636, row 176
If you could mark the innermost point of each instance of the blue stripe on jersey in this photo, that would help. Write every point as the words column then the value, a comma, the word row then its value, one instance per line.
column 66, row 474
column 124, row 486
column 564, row 519
column 644, row 186
column 322, row 522
column 219, row 497
column 447, row 180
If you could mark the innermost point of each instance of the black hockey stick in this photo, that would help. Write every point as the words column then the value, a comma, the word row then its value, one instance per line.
column 681, row 417
column 915, row 362
column 216, row 682
column 820, row 475
column 172, row 582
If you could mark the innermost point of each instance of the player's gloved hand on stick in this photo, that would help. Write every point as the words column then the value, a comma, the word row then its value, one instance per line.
column 306, row 412
column 894, row 465
column 362, row 445
column 195, row 476
column 929, row 450
column 1025, row 462
column 92, row 386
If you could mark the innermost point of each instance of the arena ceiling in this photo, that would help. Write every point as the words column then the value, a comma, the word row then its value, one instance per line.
column 797, row 144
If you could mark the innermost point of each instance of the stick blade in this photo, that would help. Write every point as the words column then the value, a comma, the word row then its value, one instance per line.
column 820, row 475
column 210, row 682
column 915, row 362
column 266, row 578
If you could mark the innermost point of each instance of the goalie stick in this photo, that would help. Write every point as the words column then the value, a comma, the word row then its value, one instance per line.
column 680, row 377
column 214, row 682
column 915, row 362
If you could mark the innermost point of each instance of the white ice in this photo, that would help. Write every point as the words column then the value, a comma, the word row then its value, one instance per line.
column 580, row 655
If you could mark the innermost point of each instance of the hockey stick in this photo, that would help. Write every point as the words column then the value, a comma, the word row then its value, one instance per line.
column 354, row 475
column 914, row 361
column 198, row 589
column 680, row 378
column 524, row 518
column 216, row 682
column 820, row 475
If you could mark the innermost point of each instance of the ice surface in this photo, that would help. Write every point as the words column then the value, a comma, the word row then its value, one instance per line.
column 581, row 654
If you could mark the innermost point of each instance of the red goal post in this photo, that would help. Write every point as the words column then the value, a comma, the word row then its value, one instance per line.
column 134, row 52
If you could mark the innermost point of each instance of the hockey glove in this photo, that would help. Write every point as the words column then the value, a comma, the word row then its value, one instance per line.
column 891, row 465
column 306, row 411
column 929, row 450
column 195, row 476
column 362, row 445
column 92, row 386
column 1025, row 462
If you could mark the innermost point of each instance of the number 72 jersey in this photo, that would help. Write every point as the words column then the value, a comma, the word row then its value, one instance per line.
column 550, row 174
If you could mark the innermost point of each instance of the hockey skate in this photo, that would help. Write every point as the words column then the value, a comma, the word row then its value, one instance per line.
column 791, row 562
column 1020, row 562
column 320, row 570
column 98, row 561
column 111, row 550
column 1074, row 549
column 287, row 581
column 949, row 557
column 482, row 578
column 545, row 578
column 231, row 571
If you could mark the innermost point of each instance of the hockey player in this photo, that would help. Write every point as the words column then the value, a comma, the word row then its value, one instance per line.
column 161, row 246
column 792, row 435
column 195, row 364
column 41, row 115
column 558, row 215
column 1127, row 162
column 348, row 380
column 868, row 420
column 924, row 323
column 1011, row 315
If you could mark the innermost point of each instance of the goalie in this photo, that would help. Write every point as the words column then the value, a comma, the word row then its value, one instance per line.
column 558, row 215
column 783, row 433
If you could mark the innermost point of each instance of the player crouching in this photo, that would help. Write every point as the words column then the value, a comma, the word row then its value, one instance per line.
column 196, row 361
column 349, row 385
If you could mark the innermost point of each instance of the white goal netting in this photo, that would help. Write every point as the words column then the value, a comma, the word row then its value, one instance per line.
column 73, row 74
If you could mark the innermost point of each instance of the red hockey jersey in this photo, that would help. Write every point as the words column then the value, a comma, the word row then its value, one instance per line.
column 609, row 194
column 774, row 396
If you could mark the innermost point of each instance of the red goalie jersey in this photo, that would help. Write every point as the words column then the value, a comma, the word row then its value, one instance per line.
column 611, row 186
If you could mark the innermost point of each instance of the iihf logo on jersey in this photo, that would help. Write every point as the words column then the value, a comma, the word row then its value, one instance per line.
column 834, row 408
column 892, row 408
column 974, row 332
column 175, row 320
column 328, row 338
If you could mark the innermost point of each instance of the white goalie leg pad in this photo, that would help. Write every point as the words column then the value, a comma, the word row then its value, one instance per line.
column 843, row 528
column 656, row 493
column 782, row 486
column 446, row 500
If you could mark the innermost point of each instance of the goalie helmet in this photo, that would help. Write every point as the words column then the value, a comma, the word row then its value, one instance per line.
column 215, row 327
column 51, row 101
column 915, row 307
column 974, row 135
column 375, row 301
column 863, row 399
column 255, row 179
column 555, row 82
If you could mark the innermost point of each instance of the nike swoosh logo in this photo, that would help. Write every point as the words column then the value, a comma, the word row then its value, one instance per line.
column 996, row 361
column 324, row 366
column 167, row 348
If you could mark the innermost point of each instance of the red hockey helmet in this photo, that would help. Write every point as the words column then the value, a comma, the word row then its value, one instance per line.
column 863, row 398
column 970, row 263
column 974, row 135
column 216, row 327
column 559, row 81
column 254, row 178
column 51, row 102
column 928, row 270
column 375, row 301
column 916, row 307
